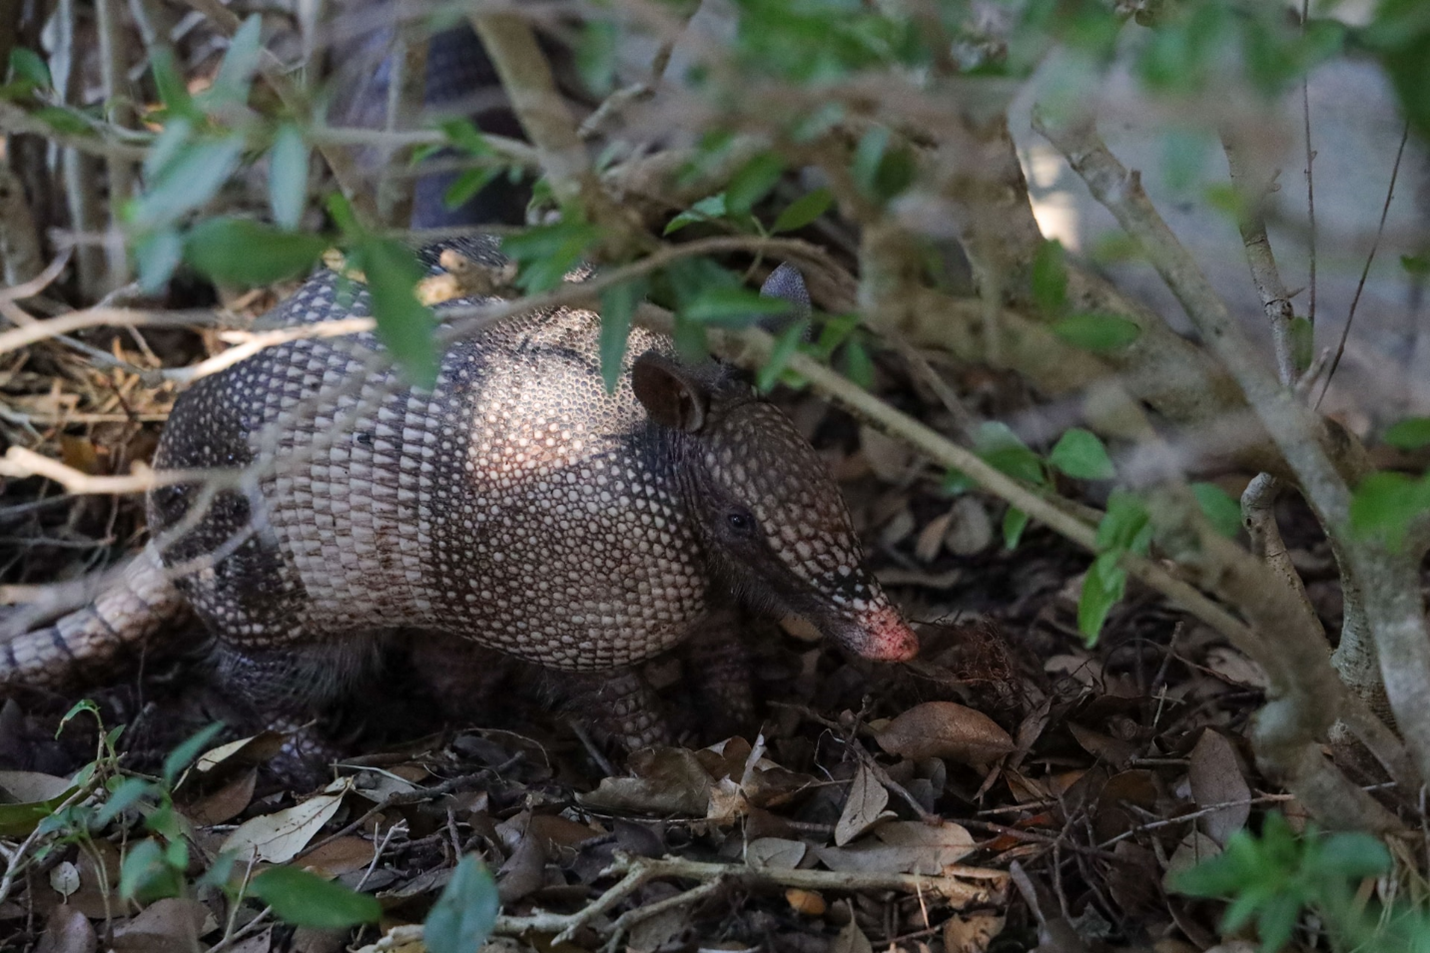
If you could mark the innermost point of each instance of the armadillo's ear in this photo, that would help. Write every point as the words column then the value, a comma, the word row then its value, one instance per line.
column 787, row 284
column 672, row 396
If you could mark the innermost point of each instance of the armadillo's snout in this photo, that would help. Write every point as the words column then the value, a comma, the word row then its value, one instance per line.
column 877, row 632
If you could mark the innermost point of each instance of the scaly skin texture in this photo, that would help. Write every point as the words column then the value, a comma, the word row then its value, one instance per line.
column 517, row 505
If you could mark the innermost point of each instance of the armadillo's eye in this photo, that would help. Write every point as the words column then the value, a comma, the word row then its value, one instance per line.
column 741, row 521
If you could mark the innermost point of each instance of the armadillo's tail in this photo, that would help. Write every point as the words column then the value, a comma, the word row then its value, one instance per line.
column 119, row 619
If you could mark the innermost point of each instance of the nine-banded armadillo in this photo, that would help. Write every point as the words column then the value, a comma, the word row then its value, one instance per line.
column 518, row 504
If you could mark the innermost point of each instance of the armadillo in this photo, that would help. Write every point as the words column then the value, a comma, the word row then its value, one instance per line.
column 518, row 504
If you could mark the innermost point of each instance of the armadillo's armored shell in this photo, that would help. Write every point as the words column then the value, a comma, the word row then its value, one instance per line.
column 517, row 503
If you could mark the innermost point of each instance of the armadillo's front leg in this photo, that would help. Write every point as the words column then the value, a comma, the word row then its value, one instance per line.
column 718, row 666
column 623, row 709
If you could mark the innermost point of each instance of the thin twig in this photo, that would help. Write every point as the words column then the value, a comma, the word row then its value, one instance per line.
column 1374, row 246
column 1310, row 175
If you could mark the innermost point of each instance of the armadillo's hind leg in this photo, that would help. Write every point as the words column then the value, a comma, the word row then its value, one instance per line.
column 288, row 686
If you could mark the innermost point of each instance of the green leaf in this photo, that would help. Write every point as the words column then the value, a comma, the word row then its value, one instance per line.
column 181, row 757
column 710, row 208
column 464, row 135
column 18, row 819
column 686, row 280
column 547, row 253
column 127, row 793
column 304, row 899
column 173, row 92
column 344, row 217
column 467, row 185
column 867, row 157
column 1223, row 512
column 1000, row 448
column 881, row 169
column 753, row 182
column 1386, row 502
column 166, row 148
column 82, row 707
column 1102, row 588
column 1014, row 522
column 618, row 306
column 29, row 66
column 1353, row 855
column 785, row 347
column 1080, row 454
column 1097, row 332
column 804, row 210
column 64, row 120
column 192, row 177
column 1126, row 526
column 463, row 917
column 405, row 325
column 1215, row 877
column 239, row 64
column 956, row 482
column 1409, row 434
column 144, row 875
column 157, row 254
column 1049, row 278
column 245, row 253
column 597, row 56
column 858, row 367
column 1277, row 921
column 732, row 307
column 1418, row 265
column 288, row 176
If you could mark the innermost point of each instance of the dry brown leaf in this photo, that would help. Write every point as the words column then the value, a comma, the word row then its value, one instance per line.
column 68, row 931
column 887, row 457
column 971, row 531
column 227, row 802
column 30, row 787
column 909, row 847
column 1215, row 777
column 64, row 877
column 1105, row 748
column 863, row 808
column 261, row 942
column 279, row 837
column 727, row 802
column 525, row 870
column 930, row 540
column 775, row 853
column 851, row 939
column 171, row 925
column 1195, row 848
column 340, row 856
column 668, row 781
column 945, row 730
column 563, row 832
column 1235, row 668
column 972, row 933
column 1083, row 668
column 91, row 899
column 406, row 938
column 253, row 750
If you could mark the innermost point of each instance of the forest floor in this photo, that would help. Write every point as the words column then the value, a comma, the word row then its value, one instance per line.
column 1011, row 786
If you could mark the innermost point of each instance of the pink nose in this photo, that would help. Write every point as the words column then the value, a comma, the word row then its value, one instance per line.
column 886, row 637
